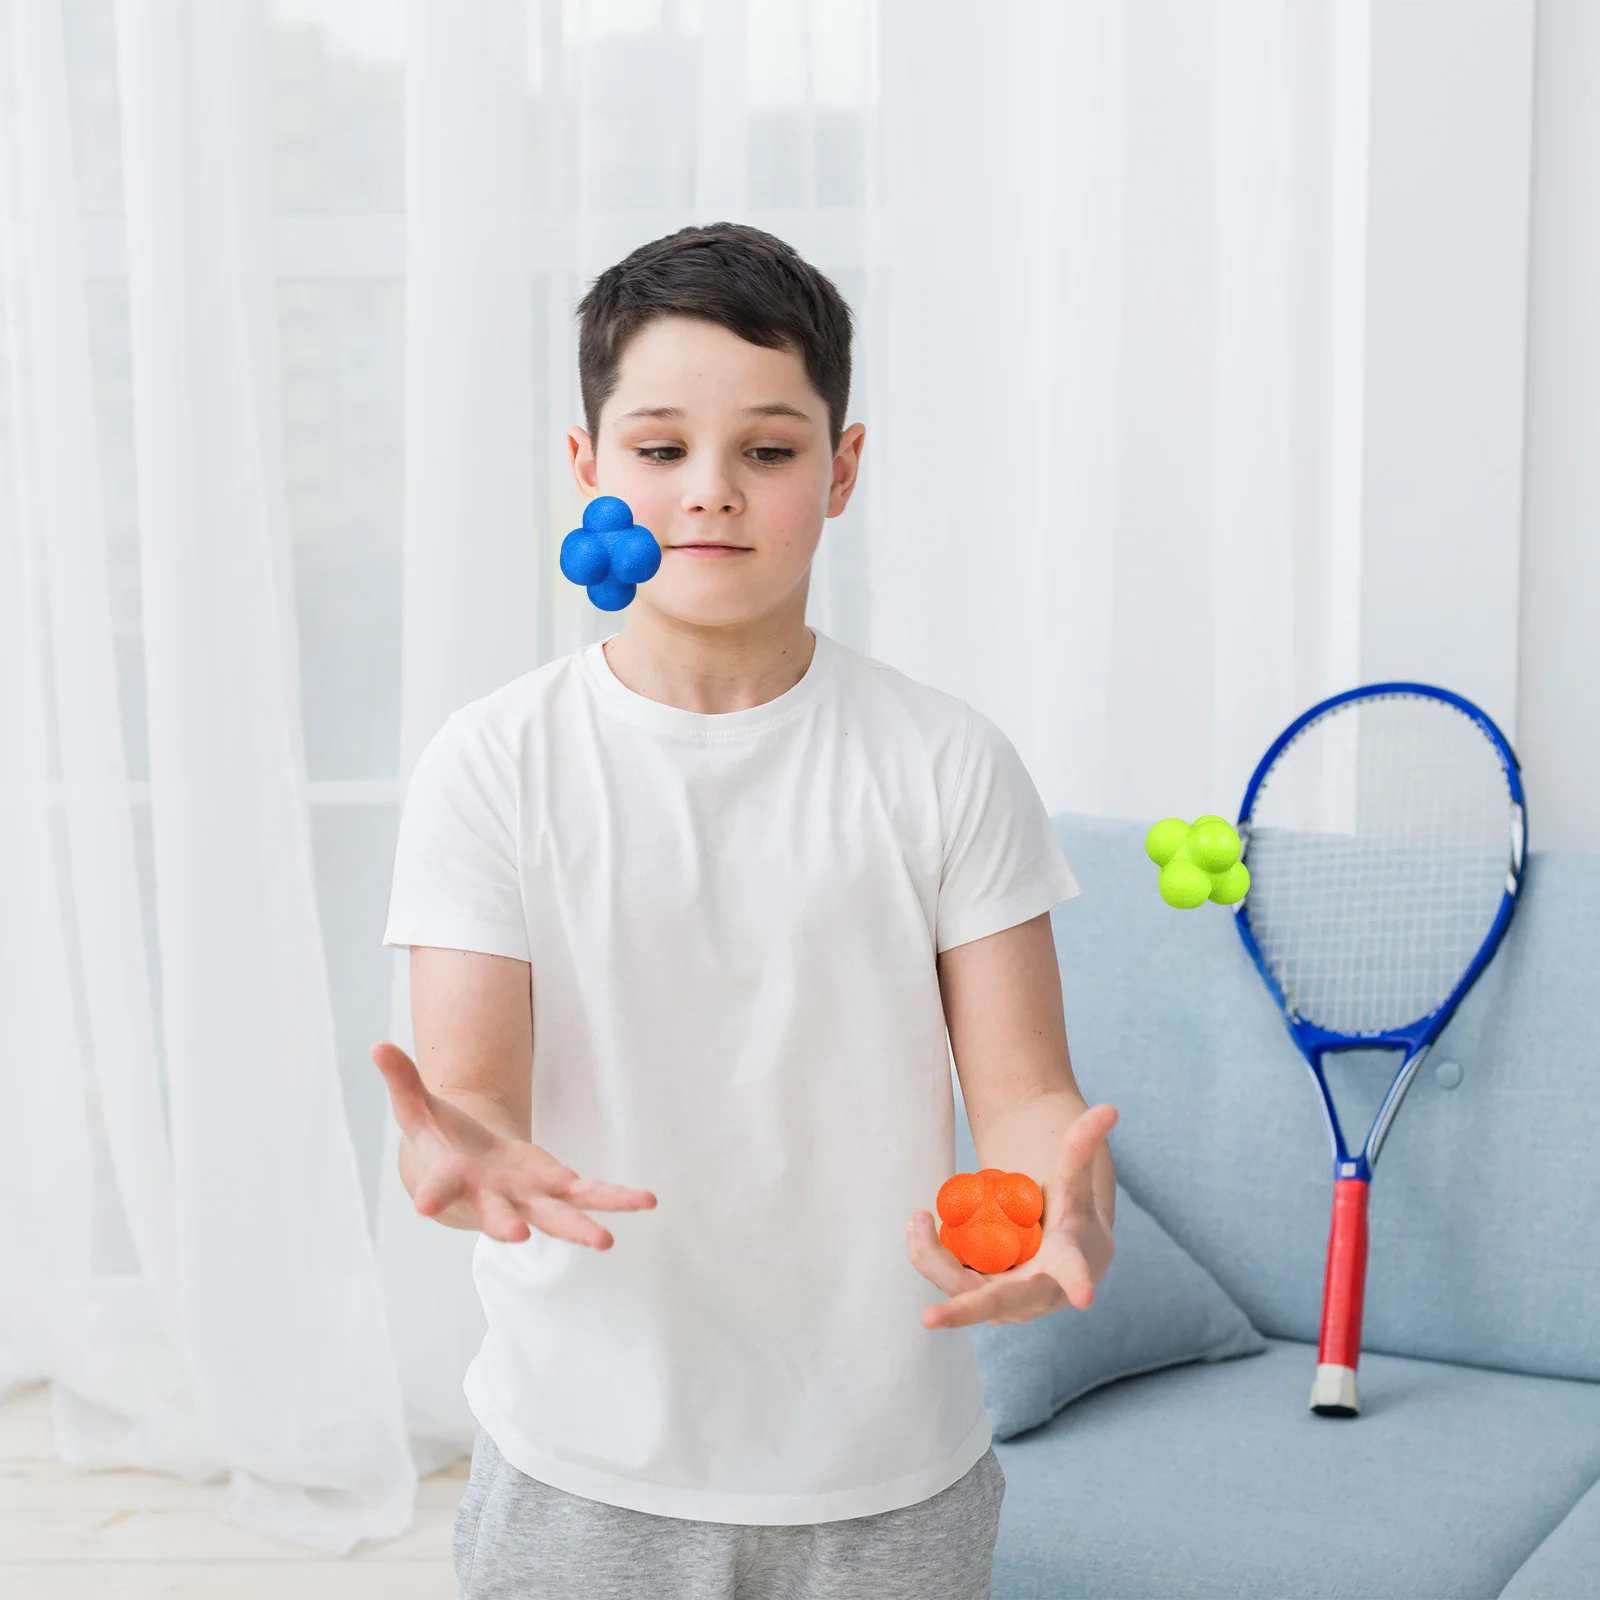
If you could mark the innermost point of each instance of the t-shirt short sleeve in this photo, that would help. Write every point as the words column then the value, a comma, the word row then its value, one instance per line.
column 457, row 881
column 1002, row 862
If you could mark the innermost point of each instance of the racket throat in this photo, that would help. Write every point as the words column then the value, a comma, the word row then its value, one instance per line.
column 1334, row 1392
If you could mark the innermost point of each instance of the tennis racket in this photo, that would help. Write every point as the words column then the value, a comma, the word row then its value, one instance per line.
column 1385, row 835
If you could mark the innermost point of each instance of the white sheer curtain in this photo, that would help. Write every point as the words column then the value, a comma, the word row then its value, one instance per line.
column 1114, row 318
column 471, row 589
column 247, row 1333
column 1109, row 262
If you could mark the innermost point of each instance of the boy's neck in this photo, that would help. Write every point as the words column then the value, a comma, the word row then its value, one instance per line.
column 710, row 670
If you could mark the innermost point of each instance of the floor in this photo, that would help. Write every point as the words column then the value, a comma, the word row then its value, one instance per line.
column 68, row 1535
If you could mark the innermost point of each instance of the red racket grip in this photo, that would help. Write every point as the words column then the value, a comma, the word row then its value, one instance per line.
column 1346, row 1280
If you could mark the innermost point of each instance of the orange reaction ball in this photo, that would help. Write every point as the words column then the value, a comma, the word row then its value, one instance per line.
column 991, row 1218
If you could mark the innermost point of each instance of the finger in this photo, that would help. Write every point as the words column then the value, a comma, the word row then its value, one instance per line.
column 592, row 1194
column 1071, row 1270
column 933, row 1260
column 563, row 1221
column 440, row 1189
column 1004, row 1298
column 407, row 1092
column 1085, row 1136
column 498, row 1218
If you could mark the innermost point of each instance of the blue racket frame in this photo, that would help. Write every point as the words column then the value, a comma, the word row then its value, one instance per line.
column 1414, row 1038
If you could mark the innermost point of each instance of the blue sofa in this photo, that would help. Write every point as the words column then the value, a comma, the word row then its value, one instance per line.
column 1474, row 1469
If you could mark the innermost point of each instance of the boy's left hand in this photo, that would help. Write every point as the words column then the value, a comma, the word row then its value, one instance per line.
column 1072, row 1257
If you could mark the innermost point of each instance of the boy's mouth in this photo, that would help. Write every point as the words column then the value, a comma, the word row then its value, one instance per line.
column 709, row 547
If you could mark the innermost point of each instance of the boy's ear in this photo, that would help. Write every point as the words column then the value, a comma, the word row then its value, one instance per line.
column 580, row 450
column 846, row 467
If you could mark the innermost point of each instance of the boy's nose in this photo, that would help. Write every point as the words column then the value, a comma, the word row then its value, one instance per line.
column 713, row 492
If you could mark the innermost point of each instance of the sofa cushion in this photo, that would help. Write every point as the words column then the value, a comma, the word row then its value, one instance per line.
column 1216, row 1481
column 1568, row 1562
column 1155, row 1308
column 1485, row 1190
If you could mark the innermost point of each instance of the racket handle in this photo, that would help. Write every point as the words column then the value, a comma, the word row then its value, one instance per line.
column 1339, row 1349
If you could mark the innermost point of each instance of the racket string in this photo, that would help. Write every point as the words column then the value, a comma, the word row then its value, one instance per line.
column 1377, row 848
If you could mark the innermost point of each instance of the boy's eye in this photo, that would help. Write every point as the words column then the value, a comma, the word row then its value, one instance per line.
column 661, row 452
column 771, row 454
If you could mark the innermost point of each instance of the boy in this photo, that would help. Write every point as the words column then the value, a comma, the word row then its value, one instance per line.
column 706, row 908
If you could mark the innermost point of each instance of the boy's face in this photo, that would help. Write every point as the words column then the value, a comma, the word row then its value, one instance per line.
column 721, row 449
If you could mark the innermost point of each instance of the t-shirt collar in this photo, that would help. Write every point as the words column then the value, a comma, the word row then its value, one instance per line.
column 709, row 726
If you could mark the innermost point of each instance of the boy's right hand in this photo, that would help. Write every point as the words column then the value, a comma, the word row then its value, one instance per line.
column 469, row 1176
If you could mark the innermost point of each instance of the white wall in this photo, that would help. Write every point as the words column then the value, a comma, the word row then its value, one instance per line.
column 1558, row 701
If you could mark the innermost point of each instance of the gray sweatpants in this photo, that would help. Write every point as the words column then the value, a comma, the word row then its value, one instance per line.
column 518, row 1539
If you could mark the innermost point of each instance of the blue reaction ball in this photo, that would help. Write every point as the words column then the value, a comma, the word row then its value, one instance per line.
column 584, row 558
column 611, row 594
column 635, row 556
column 609, row 555
column 607, row 514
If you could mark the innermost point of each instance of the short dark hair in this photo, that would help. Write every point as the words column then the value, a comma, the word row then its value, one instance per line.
column 741, row 278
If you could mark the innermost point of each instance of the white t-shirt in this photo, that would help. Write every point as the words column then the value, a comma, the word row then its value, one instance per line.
column 732, row 923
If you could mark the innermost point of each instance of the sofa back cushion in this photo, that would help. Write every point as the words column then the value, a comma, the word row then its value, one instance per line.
column 1485, row 1211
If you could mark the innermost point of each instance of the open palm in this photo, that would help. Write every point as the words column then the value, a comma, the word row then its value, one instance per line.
column 1073, row 1253
column 503, row 1187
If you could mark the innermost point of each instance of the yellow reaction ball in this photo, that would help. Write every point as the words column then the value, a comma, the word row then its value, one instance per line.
column 1199, row 861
